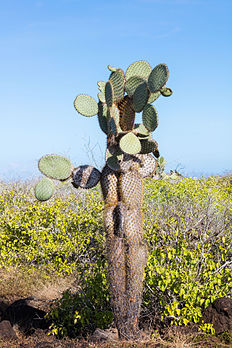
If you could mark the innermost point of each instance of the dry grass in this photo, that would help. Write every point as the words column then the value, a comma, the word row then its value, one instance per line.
column 18, row 283
column 178, row 341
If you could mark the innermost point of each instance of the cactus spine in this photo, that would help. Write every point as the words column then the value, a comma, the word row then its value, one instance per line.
column 129, row 159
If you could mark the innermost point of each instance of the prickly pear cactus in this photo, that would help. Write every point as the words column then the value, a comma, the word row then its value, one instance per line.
column 130, row 157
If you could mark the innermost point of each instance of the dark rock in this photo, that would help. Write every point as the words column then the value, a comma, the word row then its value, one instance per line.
column 219, row 314
column 27, row 317
column 3, row 307
column 6, row 330
column 104, row 335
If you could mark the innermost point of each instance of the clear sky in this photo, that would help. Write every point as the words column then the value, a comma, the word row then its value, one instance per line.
column 53, row 50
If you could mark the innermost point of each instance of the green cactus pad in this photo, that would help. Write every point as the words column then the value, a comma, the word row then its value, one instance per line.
column 141, row 131
column 101, row 94
column 130, row 144
column 148, row 146
column 113, row 126
column 153, row 97
column 139, row 68
column 86, row 105
column 166, row 92
column 113, row 151
column 158, row 77
column 140, row 97
column 102, row 117
column 150, row 117
column 55, row 167
column 117, row 80
column 113, row 161
column 101, row 84
column 132, row 84
column 116, row 116
column 44, row 189
column 85, row 177
column 109, row 93
column 111, row 68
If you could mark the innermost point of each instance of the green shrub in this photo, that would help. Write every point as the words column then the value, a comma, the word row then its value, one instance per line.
column 56, row 235
column 80, row 314
column 189, row 229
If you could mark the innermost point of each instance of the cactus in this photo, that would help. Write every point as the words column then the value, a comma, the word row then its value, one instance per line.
column 86, row 105
column 44, row 189
column 130, row 157
column 150, row 117
column 140, row 97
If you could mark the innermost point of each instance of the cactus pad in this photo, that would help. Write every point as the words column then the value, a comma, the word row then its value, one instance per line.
column 140, row 97
column 114, row 162
column 113, row 120
column 132, row 84
column 109, row 93
column 86, row 105
column 113, row 151
column 141, row 131
column 55, row 167
column 148, row 146
column 130, row 144
column 126, row 114
column 116, row 116
column 114, row 156
column 44, row 189
column 139, row 68
column 102, row 117
column 150, row 117
column 153, row 97
column 111, row 68
column 101, row 94
column 117, row 80
column 158, row 77
column 166, row 92
column 156, row 152
column 85, row 177
column 113, row 126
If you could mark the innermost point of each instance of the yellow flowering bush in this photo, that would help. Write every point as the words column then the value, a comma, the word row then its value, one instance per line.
column 58, row 234
column 189, row 231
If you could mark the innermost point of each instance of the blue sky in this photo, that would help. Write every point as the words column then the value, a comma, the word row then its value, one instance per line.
column 53, row 50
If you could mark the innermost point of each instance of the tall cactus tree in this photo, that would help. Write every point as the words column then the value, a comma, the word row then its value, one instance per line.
column 130, row 157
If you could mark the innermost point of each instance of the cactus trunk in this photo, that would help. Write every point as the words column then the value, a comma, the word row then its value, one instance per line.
column 126, row 251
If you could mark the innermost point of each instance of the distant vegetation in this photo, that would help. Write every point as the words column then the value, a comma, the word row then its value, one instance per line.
column 188, row 227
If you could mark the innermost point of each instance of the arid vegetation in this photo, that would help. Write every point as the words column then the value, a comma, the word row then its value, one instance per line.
column 54, row 251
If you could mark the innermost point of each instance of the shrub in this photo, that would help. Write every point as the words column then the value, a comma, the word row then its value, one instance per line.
column 188, row 227
column 80, row 314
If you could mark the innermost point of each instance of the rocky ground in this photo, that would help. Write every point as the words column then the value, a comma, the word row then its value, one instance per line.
column 23, row 325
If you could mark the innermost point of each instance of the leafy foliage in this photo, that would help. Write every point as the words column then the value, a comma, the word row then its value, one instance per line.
column 81, row 313
column 188, row 227
column 57, row 235
column 189, row 230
